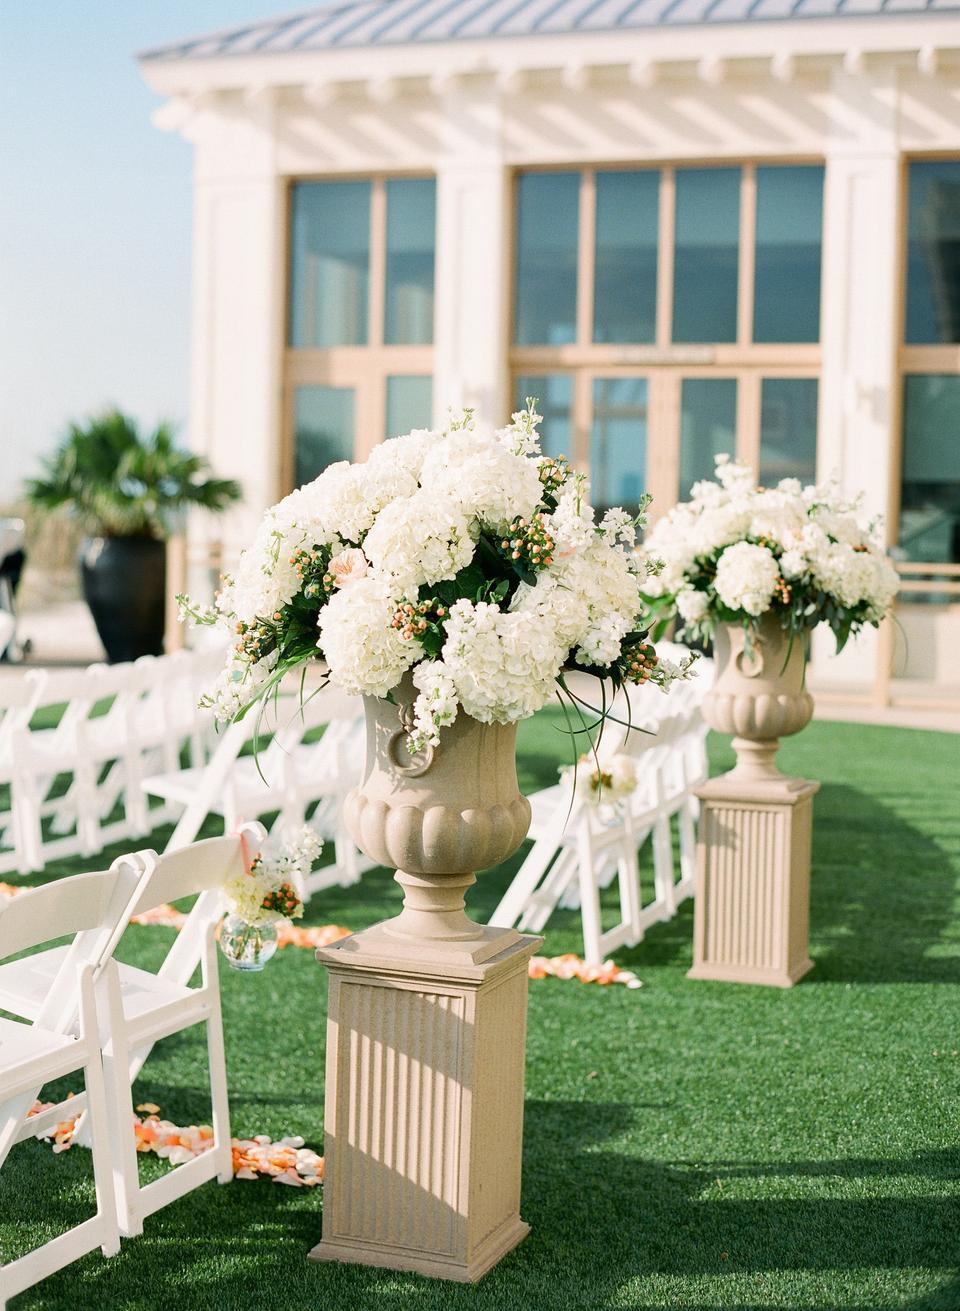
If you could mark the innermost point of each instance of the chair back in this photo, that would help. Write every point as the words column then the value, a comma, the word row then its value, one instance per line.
column 94, row 907
column 201, row 867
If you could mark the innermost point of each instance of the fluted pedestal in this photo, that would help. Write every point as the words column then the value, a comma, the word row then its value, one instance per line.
column 424, row 1106
column 752, row 908
column 427, row 1021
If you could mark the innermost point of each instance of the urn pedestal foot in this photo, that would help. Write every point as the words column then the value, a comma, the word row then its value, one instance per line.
column 424, row 1100
column 752, row 907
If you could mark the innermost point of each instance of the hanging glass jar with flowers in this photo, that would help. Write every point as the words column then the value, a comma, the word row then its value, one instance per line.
column 267, row 894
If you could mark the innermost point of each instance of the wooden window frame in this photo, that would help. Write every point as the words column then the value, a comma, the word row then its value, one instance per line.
column 365, row 368
column 915, row 359
column 663, row 363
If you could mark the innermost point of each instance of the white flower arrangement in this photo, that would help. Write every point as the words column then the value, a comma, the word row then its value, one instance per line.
column 464, row 555
column 735, row 552
column 602, row 783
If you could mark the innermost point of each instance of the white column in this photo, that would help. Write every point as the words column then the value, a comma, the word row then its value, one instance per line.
column 237, row 322
column 472, row 288
column 860, row 325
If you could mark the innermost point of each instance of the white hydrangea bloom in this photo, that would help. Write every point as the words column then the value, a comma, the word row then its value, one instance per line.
column 421, row 540
column 490, row 482
column 692, row 605
column 366, row 655
column 746, row 577
column 504, row 666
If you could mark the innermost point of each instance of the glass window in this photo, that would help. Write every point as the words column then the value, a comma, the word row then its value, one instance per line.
column 708, row 427
column 788, row 429
column 329, row 264
column 618, row 443
column 548, row 212
column 411, row 239
column 933, row 253
column 409, row 403
column 625, row 272
column 930, row 493
column 554, row 396
column 786, row 292
column 706, row 254
column 323, row 429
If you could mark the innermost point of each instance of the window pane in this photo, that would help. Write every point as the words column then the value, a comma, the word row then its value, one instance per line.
column 625, row 275
column 548, row 209
column 786, row 294
column 323, row 429
column 409, row 403
column 411, row 227
column 618, row 444
column 554, row 393
column 788, row 430
column 930, row 495
column 706, row 254
column 329, row 263
column 933, row 253
column 708, row 427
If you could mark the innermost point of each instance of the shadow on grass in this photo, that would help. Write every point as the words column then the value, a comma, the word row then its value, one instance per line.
column 883, row 906
column 609, row 1230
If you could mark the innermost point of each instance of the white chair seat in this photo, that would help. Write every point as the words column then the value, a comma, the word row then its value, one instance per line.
column 20, row 1043
column 25, row 983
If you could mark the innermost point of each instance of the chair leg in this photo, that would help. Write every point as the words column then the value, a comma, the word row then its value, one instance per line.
column 98, row 1120
column 663, row 866
column 589, row 900
column 116, row 1070
column 217, row 1060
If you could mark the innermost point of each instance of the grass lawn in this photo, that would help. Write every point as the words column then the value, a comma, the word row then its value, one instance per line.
column 688, row 1145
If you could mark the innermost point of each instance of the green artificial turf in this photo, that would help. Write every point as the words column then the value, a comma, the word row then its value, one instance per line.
column 688, row 1145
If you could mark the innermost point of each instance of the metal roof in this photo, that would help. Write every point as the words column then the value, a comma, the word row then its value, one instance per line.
column 399, row 22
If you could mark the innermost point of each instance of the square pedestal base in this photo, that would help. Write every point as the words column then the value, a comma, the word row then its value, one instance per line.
column 424, row 1103
column 752, row 908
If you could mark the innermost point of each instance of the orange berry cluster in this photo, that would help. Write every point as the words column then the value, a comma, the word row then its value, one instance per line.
column 529, row 542
column 283, row 901
column 637, row 661
column 414, row 620
column 307, row 563
column 782, row 590
column 554, row 472
column 252, row 642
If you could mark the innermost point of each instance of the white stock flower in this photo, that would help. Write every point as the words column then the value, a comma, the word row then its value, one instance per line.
column 436, row 707
column 746, row 577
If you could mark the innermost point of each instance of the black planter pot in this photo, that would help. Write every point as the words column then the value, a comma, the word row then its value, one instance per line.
column 124, row 584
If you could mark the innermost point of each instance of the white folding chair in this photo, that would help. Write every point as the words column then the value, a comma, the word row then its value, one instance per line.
column 18, row 699
column 62, row 1039
column 138, row 1008
column 290, row 776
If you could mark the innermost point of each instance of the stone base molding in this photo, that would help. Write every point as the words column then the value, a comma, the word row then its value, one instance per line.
column 752, row 908
column 424, row 1101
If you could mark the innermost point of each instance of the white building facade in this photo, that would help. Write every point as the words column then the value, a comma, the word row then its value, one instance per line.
column 688, row 227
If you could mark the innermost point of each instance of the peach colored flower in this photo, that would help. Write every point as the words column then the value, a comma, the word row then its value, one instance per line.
column 348, row 566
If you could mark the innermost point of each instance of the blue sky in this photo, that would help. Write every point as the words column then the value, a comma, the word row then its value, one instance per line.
column 95, row 217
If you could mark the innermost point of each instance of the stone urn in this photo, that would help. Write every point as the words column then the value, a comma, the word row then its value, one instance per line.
column 758, row 697
column 436, row 818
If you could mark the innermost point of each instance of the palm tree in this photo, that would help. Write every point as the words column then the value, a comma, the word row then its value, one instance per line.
column 128, row 492
column 120, row 484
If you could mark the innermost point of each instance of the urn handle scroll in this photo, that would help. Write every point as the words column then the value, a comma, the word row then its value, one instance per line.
column 415, row 765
